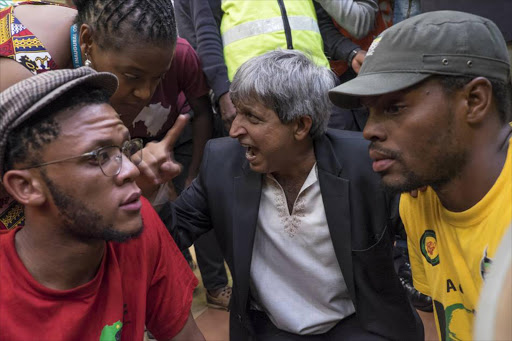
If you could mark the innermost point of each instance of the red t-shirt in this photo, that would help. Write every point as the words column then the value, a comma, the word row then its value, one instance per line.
column 185, row 77
column 145, row 281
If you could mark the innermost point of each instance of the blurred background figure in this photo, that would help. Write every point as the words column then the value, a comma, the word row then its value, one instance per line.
column 495, row 304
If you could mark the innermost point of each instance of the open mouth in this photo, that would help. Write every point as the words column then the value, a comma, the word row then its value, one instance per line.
column 250, row 153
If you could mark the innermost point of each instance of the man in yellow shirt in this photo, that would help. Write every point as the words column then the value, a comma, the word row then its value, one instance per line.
column 439, row 93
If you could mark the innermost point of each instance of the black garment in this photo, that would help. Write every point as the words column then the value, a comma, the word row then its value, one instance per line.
column 209, row 256
column 498, row 11
column 347, row 329
column 225, row 197
column 336, row 45
column 210, row 262
column 199, row 23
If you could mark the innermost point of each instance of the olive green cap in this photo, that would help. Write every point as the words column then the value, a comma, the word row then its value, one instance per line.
column 434, row 43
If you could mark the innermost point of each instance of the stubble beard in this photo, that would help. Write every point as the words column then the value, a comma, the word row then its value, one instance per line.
column 445, row 167
column 82, row 222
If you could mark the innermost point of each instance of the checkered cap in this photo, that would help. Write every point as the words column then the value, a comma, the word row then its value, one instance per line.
column 26, row 98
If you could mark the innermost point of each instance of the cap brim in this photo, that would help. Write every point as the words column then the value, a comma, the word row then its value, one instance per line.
column 347, row 95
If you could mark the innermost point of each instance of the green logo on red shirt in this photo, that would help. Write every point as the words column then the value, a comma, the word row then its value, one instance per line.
column 112, row 332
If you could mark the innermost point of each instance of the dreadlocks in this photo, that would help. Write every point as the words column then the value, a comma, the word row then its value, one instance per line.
column 152, row 20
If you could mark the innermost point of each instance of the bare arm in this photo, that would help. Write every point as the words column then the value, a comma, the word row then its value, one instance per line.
column 429, row 325
column 190, row 331
column 355, row 16
column 202, row 126
column 11, row 72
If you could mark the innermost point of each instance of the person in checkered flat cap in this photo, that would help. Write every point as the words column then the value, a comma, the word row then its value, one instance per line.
column 438, row 88
column 93, row 261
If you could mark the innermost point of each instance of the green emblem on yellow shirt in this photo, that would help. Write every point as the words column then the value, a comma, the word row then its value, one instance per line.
column 428, row 245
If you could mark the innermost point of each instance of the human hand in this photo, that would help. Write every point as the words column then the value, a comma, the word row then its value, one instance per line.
column 227, row 110
column 157, row 165
column 414, row 193
column 358, row 60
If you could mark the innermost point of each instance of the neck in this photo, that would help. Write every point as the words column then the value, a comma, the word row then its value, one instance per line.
column 300, row 165
column 292, row 180
column 54, row 259
column 479, row 174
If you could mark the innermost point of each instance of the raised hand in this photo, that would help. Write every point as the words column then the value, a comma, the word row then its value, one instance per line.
column 227, row 110
column 158, row 165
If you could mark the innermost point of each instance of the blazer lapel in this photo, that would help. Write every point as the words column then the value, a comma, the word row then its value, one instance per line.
column 335, row 195
column 245, row 214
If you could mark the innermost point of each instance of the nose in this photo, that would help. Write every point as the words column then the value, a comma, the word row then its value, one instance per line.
column 129, row 171
column 143, row 91
column 237, row 128
column 373, row 130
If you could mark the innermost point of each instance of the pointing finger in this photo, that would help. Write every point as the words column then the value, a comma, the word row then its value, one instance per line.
column 172, row 135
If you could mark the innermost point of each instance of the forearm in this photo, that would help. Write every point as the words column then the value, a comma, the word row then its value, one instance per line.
column 336, row 45
column 429, row 325
column 202, row 127
column 189, row 332
column 355, row 16
column 188, row 217
column 209, row 44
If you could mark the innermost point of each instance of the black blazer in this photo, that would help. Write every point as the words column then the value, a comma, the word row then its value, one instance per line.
column 225, row 196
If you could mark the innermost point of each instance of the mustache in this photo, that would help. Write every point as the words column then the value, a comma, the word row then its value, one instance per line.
column 384, row 151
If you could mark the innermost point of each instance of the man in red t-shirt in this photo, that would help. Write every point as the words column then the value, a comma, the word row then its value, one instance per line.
column 93, row 261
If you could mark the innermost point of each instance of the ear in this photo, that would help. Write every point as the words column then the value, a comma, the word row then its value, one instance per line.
column 302, row 127
column 86, row 39
column 479, row 99
column 24, row 187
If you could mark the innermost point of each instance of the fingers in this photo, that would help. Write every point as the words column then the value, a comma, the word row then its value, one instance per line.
column 174, row 133
column 169, row 170
column 415, row 192
column 149, row 170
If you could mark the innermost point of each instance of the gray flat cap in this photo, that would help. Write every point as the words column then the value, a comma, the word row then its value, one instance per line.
column 26, row 98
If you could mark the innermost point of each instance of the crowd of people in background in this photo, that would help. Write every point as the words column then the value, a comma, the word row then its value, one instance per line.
column 350, row 161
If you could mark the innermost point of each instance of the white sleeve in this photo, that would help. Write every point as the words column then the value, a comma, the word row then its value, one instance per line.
column 355, row 16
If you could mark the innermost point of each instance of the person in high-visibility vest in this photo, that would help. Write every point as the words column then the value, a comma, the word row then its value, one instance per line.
column 228, row 33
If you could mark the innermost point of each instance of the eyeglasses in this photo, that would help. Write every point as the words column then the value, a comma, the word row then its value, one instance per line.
column 110, row 158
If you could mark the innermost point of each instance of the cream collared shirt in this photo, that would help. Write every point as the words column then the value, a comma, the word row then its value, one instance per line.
column 295, row 276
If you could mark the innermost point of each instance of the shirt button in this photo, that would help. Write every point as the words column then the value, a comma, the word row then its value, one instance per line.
column 239, row 318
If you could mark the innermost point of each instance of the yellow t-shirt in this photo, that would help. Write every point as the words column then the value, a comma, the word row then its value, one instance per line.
column 450, row 252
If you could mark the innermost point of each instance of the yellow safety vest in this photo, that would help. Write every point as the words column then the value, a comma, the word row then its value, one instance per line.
column 251, row 28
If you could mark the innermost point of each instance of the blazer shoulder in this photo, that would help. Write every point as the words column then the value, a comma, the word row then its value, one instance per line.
column 346, row 140
column 225, row 145
column 224, row 152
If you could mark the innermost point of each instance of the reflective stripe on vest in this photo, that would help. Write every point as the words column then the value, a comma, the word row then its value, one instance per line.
column 265, row 26
column 251, row 27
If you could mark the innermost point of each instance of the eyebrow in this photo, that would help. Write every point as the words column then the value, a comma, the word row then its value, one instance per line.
column 99, row 143
column 135, row 69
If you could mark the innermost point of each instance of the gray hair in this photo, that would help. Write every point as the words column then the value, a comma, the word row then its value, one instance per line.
column 289, row 83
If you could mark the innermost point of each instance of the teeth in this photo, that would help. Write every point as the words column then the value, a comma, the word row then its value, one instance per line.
column 249, row 152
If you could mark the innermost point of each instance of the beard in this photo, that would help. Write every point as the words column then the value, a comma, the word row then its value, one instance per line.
column 443, row 159
column 442, row 169
column 82, row 222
